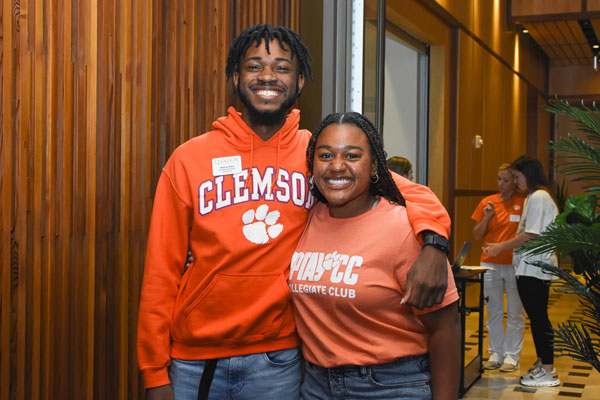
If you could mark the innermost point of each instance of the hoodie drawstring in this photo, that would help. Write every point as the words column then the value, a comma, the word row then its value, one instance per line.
column 250, row 179
column 276, row 177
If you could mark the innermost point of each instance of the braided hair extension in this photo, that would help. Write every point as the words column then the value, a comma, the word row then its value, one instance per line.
column 385, row 186
column 266, row 32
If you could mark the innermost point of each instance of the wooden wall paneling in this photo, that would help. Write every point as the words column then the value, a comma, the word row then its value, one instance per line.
column 593, row 5
column 95, row 97
column 41, row 67
column 496, row 95
column 544, row 134
column 505, row 141
column 516, row 98
column 91, row 59
column 484, row 23
column 49, row 300
column 77, row 262
column 465, row 102
column 171, row 60
column 182, row 38
column 63, row 345
column 23, row 190
column 125, row 70
column 5, row 183
column 7, row 140
column 470, row 108
column 216, row 60
column 156, row 101
column 544, row 7
column 104, row 176
column 144, row 202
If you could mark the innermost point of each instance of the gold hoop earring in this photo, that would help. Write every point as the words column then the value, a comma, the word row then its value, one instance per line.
column 375, row 177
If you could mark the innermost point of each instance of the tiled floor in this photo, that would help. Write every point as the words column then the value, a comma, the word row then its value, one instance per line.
column 578, row 380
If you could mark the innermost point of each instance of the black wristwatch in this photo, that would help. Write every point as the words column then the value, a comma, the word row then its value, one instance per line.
column 438, row 242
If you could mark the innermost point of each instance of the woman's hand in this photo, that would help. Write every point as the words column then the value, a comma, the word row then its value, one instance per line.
column 488, row 210
column 493, row 249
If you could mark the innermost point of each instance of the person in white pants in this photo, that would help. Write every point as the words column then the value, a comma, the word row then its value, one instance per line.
column 497, row 219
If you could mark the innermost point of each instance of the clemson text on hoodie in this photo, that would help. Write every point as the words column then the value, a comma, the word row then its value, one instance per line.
column 226, row 190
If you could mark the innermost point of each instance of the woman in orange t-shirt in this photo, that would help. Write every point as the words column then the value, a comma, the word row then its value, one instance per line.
column 347, row 278
column 496, row 220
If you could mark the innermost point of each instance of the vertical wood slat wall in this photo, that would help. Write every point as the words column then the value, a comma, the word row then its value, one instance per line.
column 95, row 97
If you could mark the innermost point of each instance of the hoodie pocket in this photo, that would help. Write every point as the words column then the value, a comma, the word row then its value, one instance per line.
column 240, row 308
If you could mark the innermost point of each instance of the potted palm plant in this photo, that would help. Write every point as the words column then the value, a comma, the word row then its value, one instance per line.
column 576, row 233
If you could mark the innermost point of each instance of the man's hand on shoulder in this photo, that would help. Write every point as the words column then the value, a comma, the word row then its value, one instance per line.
column 427, row 279
column 164, row 392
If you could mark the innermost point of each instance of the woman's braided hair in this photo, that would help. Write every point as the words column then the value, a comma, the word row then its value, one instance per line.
column 265, row 32
column 385, row 186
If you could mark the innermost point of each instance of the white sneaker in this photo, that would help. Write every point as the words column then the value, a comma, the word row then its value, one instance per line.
column 533, row 370
column 493, row 362
column 542, row 377
column 509, row 364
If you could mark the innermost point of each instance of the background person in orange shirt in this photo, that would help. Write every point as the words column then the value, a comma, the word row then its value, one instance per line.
column 496, row 220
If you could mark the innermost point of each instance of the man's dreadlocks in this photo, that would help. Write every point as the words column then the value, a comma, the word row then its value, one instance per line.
column 385, row 185
column 265, row 32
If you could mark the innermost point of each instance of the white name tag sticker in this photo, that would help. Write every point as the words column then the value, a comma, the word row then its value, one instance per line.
column 227, row 165
column 515, row 218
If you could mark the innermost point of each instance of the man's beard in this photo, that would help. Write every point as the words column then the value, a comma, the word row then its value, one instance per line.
column 267, row 117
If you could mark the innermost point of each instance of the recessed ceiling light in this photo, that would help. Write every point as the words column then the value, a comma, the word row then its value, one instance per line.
column 596, row 46
column 525, row 31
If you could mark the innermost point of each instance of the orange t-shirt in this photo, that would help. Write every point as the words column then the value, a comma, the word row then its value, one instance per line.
column 502, row 225
column 347, row 278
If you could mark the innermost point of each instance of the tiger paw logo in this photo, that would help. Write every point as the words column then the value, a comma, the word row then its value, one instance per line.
column 261, row 225
column 332, row 260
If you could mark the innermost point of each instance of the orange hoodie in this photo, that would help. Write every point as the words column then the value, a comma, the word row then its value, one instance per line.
column 242, row 219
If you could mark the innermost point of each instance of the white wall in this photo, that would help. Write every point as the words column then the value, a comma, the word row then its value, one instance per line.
column 400, row 100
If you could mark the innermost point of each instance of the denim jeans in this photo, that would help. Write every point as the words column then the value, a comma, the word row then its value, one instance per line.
column 274, row 375
column 405, row 378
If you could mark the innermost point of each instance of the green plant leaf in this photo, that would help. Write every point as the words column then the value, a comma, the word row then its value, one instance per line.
column 565, row 239
column 576, row 342
column 580, row 209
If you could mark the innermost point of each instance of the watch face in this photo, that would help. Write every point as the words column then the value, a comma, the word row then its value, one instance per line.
column 441, row 241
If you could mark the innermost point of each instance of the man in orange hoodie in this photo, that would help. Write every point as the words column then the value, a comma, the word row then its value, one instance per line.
column 238, row 198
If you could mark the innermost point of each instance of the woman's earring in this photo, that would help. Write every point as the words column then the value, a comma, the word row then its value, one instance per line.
column 375, row 177
column 311, row 183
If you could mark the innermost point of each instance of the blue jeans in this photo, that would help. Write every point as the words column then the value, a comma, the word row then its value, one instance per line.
column 405, row 378
column 274, row 375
